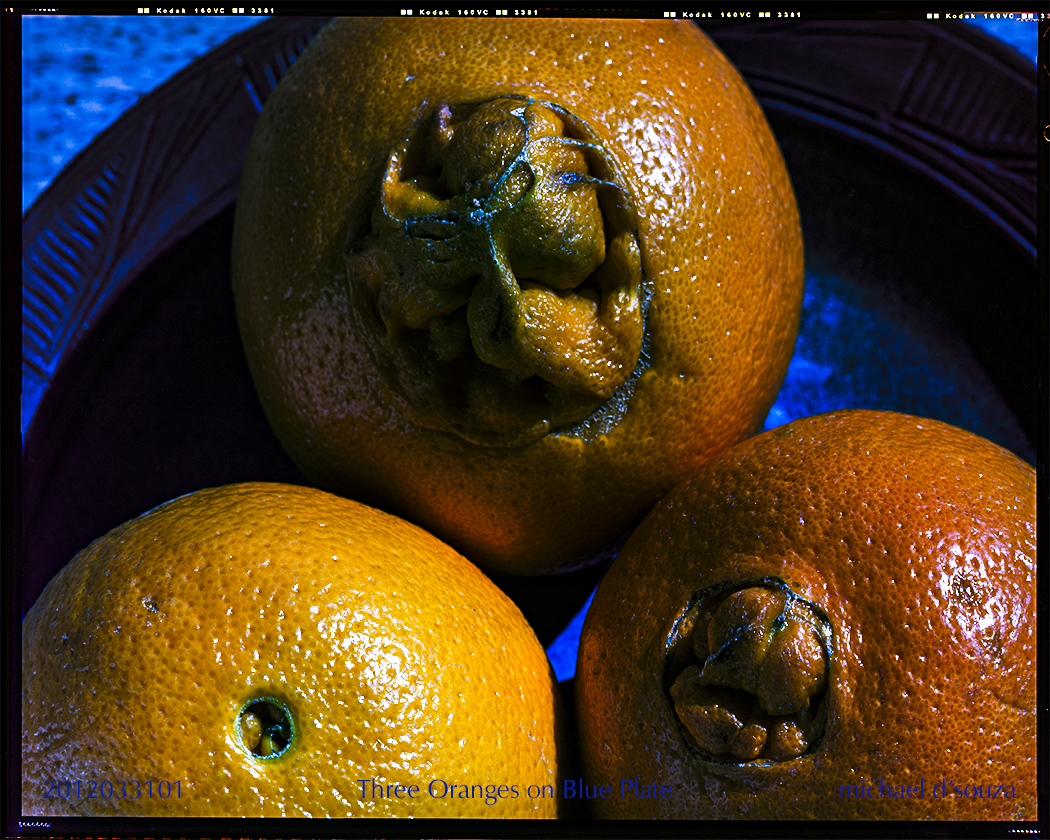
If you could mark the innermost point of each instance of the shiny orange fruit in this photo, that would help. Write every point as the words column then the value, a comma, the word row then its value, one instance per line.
column 513, row 280
column 832, row 620
column 269, row 650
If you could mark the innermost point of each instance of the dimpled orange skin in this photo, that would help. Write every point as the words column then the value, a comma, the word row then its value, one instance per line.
column 721, row 250
column 918, row 541
column 397, row 658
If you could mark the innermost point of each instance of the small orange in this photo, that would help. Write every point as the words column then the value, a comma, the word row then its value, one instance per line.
column 268, row 650
column 513, row 280
column 832, row 620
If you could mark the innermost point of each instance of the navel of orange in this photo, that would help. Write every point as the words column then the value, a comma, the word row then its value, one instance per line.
column 457, row 372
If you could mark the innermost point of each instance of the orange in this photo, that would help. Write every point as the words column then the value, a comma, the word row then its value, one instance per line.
column 514, row 279
column 832, row 620
column 269, row 650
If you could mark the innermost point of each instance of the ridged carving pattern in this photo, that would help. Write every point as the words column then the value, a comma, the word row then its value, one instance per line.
column 165, row 167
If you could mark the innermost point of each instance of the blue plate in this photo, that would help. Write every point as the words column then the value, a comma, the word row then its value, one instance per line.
column 911, row 147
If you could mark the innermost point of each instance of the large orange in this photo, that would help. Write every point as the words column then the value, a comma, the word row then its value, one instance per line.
column 268, row 650
column 514, row 279
column 834, row 619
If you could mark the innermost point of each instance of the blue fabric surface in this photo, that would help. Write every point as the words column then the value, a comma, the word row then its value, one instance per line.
column 81, row 72
column 1021, row 35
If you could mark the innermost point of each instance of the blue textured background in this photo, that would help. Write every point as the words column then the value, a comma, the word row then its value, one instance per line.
column 80, row 73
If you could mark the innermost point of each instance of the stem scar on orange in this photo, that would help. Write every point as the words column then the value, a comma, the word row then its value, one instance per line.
column 832, row 620
column 514, row 280
column 269, row 650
